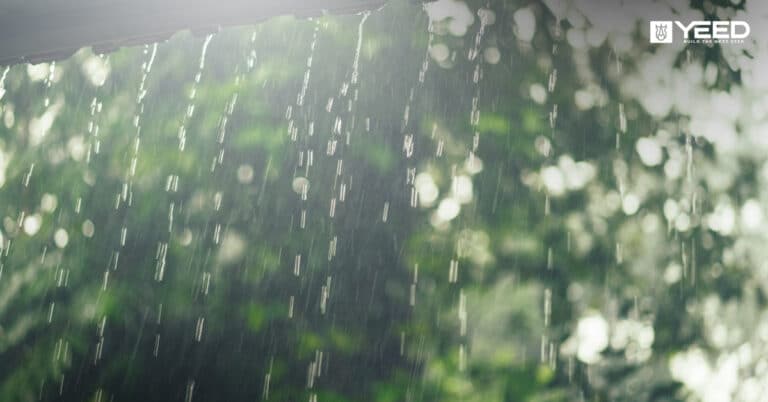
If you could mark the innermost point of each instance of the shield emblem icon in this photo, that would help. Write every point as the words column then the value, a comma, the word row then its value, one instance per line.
column 661, row 32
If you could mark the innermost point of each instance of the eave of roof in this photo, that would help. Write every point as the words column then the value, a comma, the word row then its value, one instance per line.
column 37, row 34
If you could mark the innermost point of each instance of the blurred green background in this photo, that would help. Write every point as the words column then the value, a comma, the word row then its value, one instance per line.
column 489, row 202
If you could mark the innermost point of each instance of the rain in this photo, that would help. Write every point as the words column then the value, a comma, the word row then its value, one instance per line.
column 447, row 200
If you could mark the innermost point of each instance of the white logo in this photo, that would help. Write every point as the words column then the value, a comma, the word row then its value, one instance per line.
column 661, row 31
column 700, row 31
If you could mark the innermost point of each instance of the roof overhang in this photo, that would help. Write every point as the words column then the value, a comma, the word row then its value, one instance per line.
column 38, row 31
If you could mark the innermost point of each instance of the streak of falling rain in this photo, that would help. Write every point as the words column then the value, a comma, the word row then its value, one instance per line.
column 547, row 345
column 182, row 137
column 3, row 76
column 49, row 83
column 356, row 62
column 190, row 391
column 149, row 52
column 486, row 17
column 292, row 111
column 62, row 278
column 191, row 99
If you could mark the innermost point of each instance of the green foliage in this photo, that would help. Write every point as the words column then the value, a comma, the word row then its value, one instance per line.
column 348, row 297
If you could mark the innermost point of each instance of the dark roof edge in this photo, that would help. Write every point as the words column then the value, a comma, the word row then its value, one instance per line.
column 58, row 32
